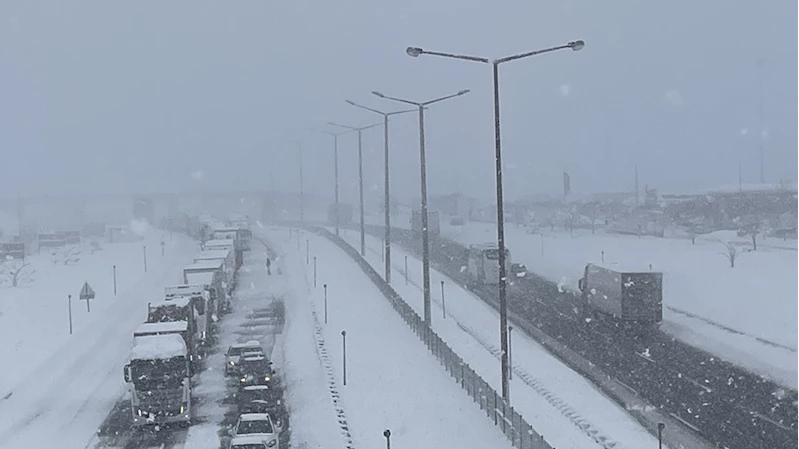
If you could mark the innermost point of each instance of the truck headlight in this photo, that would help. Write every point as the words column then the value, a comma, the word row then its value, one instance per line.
column 232, row 363
column 139, row 411
column 271, row 443
column 266, row 378
column 243, row 379
column 181, row 409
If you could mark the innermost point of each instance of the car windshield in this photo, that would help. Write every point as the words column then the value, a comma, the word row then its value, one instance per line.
column 233, row 350
column 260, row 426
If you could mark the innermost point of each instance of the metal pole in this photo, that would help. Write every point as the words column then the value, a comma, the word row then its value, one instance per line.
column 69, row 302
column 360, row 192
column 162, row 246
column 335, row 175
column 387, row 434
column 344, row 354
column 314, row 271
column 115, row 280
column 325, row 287
column 510, row 353
column 88, row 308
column 383, row 250
column 406, row 270
column 144, row 251
column 503, row 305
column 425, row 246
column 661, row 426
column 386, row 201
column 307, row 252
column 443, row 303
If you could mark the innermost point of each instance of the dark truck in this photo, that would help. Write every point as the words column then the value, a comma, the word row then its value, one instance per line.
column 627, row 296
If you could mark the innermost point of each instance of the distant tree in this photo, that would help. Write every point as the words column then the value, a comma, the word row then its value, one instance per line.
column 593, row 210
column 731, row 254
column 16, row 272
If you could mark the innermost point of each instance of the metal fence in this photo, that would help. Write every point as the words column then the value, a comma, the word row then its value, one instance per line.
column 512, row 424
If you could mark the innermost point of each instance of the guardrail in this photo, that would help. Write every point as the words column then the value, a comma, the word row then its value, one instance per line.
column 512, row 424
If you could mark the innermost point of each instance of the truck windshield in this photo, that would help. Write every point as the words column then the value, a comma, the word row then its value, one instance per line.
column 246, row 427
column 153, row 374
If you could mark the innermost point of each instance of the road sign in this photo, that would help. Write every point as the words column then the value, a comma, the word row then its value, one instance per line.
column 86, row 292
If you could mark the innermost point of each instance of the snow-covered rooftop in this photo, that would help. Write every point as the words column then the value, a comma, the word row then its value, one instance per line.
column 624, row 268
column 158, row 347
column 254, row 417
column 212, row 254
column 203, row 278
column 218, row 242
column 181, row 301
column 164, row 327
column 204, row 265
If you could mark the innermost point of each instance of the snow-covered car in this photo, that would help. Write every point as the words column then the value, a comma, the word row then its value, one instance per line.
column 255, row 370
column 258, row 426
column 234, row 354
column 261, row 399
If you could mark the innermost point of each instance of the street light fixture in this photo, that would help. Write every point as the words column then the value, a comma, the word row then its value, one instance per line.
column 335, row 172
column 386, row 196
column 360, row 174
column 421, row 106
column 503, row 304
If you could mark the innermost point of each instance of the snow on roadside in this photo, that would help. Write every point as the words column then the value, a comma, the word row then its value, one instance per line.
column 392, row 380
column 63, row 401
column 559, row 403
column 34, row 321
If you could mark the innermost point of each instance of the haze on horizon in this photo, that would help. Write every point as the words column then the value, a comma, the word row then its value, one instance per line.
column 100, row 96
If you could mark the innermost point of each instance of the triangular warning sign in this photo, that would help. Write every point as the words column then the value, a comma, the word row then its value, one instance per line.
column 86, row 292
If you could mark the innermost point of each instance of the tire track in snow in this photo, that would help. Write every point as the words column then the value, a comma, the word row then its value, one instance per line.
column 531, row 381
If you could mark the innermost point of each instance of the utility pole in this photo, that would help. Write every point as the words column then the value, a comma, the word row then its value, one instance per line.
column 637, row 203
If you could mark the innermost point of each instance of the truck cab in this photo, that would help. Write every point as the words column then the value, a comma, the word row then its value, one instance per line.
column 169, row 328
column 158, row 377
column 483, row 263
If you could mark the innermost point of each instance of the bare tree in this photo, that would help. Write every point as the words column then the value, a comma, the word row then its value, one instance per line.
column 15, row 272
column 731, row 254
column 66, row 255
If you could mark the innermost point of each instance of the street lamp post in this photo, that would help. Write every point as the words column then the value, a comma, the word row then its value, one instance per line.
column 360, row 174
column 386, row 195
column 335, row 173
column 425, row 238
column 503, row 305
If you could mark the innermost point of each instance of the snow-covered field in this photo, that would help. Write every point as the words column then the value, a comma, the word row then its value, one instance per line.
column 392, row 380
column 746, row 314
column 560, row 404
column 57, row 388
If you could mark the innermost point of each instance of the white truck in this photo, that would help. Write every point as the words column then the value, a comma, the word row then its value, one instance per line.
column 483, row 263
column 628, row 295
column 228, row 265
column 158, row 377
column 226, row 244
column 210, row 274
column 171, row 328
column 200, row 302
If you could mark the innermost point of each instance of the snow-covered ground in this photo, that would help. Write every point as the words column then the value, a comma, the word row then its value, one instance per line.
column 392, row 380
column 746, row 314
column 58, row 388
column 560, row 404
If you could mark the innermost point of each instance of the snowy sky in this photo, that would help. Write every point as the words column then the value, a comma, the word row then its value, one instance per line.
column 121, row 96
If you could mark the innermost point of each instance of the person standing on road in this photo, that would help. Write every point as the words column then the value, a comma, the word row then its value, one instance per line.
column 268, row 266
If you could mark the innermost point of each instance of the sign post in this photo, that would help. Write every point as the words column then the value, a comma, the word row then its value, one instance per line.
column 344, row 354
column 115, row 280
column 87, row 293
column 69, row 304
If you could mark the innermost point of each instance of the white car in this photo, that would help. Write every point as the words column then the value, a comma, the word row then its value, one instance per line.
column 258, row 426
column 235, row 352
